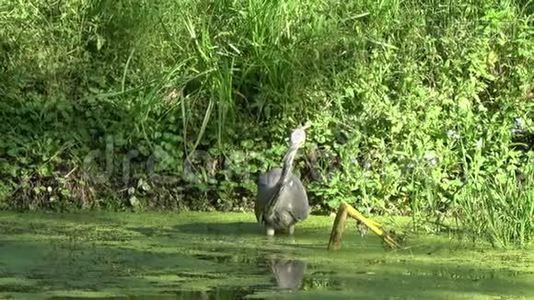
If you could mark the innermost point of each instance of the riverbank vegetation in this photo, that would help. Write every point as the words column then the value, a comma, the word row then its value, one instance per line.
column 418, row 108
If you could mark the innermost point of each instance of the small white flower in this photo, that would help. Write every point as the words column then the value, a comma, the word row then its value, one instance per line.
column 431, row 158
column 479, row 143
column 366, row 165
column 518, row 123
column 518, row 126
column 452, row 134
column 408, row 166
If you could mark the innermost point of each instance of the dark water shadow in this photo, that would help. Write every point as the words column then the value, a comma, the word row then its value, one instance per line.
column 219, row 293
column 232, row 228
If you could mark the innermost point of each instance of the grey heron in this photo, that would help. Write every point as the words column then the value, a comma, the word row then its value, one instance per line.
column 281, row 200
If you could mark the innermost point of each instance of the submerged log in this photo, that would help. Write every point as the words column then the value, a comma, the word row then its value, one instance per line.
column 339, row 226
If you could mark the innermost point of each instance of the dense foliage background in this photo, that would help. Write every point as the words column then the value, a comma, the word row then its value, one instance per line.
column 422, row 108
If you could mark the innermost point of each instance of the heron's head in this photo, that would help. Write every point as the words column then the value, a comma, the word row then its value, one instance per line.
column 298, row 136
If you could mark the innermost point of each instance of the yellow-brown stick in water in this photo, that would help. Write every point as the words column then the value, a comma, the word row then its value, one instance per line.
column 339, row 226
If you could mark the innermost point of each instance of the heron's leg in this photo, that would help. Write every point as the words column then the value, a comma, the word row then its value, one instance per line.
column 269, row 231
column 291, row 229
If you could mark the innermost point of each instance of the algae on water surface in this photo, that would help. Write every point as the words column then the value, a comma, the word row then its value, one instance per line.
column 226, row 256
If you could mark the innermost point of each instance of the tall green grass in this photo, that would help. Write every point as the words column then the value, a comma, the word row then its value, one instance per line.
column 421, row 108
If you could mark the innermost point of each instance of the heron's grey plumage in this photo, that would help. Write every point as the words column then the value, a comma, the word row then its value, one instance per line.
column 282, row 201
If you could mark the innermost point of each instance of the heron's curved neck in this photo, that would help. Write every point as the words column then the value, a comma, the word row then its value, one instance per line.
column 288, row 165
column 284, row 178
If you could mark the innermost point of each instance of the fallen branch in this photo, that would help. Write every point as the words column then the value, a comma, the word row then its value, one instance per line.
column 339, row 226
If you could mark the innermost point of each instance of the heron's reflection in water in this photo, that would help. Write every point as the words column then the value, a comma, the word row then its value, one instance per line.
column 287, row 272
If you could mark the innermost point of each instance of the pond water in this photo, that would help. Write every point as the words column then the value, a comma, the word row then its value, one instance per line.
column 226, row 256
